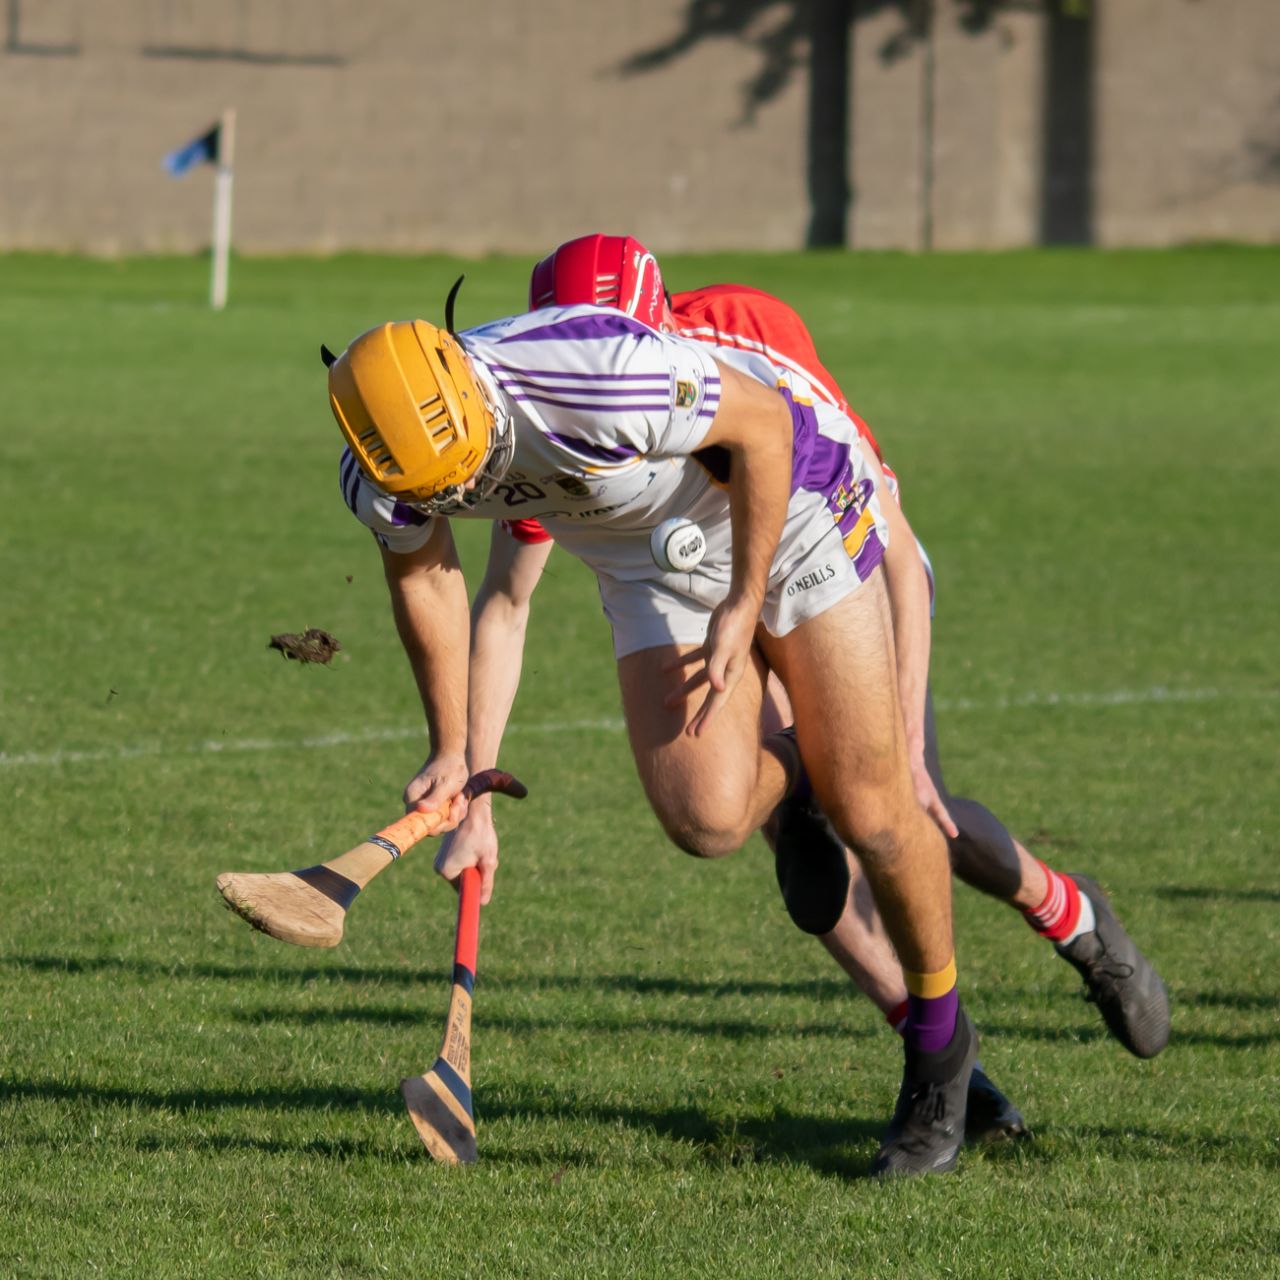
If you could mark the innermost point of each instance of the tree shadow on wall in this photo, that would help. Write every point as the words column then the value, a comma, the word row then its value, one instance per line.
column 781, row 33
column 1261, row 147
column 777, row 32
column 790, row 35
column 18, row 41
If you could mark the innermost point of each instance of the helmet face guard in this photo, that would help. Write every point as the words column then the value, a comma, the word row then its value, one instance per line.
column 605, row 271
column 417, row 417
column 487, row 476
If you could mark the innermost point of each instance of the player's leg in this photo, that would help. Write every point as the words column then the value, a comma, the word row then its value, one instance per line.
column 985, row 856
column 1068, row 909
column 840, row 909
column 839, row 671
column 712, row 791
column 859, row 944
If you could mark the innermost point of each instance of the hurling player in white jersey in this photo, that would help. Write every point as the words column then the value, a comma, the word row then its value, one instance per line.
column 823, row 891
column 592, row 419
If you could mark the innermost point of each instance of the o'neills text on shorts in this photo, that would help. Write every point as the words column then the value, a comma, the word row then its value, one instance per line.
column 809, row 580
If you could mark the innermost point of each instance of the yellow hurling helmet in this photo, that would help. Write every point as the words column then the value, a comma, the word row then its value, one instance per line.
column 416, row 417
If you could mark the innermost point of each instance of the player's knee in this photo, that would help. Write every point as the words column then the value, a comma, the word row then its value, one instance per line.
column 708, row 821
column 702, row 839
column 710, row 827
column 701, row 843
column 878, row 823
column 878, row 835
column 814, row 879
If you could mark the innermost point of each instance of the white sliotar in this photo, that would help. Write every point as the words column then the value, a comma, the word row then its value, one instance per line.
column 678, row 545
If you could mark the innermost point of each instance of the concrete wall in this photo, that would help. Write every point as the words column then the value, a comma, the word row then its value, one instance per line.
column 950, row 144
column 512, row 124
column 392, row 124
column 1189, row 94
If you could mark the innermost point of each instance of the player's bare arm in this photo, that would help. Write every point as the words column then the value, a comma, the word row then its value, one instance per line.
column 499, row 618
column 753, row 425
column 429, row 603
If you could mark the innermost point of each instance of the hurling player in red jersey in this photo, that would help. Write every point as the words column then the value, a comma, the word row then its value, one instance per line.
column 822, row 886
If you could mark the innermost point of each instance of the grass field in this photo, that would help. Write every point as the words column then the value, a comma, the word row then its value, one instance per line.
column 670, row 1081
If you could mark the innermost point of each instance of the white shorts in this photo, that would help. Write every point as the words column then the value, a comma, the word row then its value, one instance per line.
column 814, row 568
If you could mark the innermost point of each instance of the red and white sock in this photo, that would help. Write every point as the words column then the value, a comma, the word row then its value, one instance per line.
column 1065, row 912
column 897, row 1017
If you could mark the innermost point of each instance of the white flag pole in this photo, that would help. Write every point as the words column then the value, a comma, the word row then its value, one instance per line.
column 222, row 211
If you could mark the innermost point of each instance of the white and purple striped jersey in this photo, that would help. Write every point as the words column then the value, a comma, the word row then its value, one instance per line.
column 606, row 414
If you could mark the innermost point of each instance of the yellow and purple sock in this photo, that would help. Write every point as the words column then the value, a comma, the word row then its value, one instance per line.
column 932, row 1006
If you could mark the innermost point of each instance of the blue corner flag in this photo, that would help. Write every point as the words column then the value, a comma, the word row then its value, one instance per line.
column 201, row 150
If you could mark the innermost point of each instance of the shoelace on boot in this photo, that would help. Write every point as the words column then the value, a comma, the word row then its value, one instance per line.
column 929, row 1103
column 1103, row 976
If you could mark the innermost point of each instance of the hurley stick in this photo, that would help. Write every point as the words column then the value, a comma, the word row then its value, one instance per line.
column 309, row 907
column 439, row 1101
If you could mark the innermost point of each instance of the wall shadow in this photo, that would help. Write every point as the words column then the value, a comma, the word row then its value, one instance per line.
column 1262, row 147
column 250, row 57
column 17, row 43
column 788, row 38
column 1067, row 142
column 817, row 36
column 828, row 121
column 778, row 42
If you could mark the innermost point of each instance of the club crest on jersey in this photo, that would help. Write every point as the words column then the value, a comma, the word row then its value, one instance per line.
column 686, row 394
column 845, row 500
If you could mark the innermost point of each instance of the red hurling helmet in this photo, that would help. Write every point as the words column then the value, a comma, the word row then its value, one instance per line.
column 609, row 271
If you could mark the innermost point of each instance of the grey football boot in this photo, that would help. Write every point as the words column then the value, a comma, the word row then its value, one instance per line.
column 990, row 1116
column 1118, row 978
column 927, row 1129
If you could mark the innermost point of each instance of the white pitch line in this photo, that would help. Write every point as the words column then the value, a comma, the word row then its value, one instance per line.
column 612, row 724
column 1112, row 698
column 235, row 746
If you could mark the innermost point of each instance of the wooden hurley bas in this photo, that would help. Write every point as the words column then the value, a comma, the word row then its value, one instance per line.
column 309, row 907
column 439, row 1100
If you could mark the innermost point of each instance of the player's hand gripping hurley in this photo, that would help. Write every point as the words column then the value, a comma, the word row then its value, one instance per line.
column 309, row 907
column 439, row 1101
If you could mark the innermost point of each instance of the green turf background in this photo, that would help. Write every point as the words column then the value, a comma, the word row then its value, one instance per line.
column 669, row 1080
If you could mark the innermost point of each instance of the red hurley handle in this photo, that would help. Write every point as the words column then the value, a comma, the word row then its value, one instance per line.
column 464, row 947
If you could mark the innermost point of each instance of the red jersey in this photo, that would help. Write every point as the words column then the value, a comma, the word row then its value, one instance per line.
column 737, row 316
